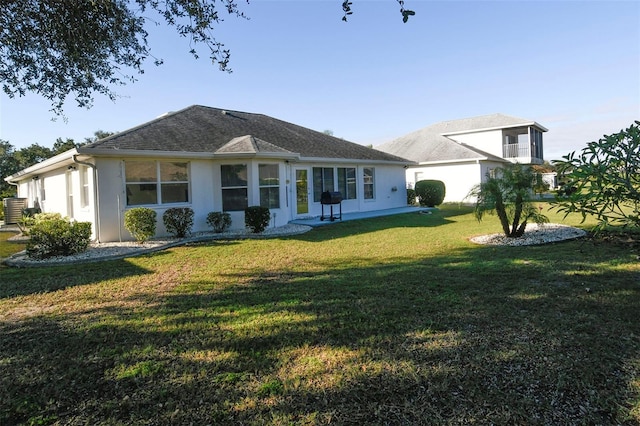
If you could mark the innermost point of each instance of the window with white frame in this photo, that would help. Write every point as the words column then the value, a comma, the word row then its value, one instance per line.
column 347, row 182
column 269, row 182
column 156, row 182
column 369, row 183
column 322, row 181
column 233, row 178
column 84, row 186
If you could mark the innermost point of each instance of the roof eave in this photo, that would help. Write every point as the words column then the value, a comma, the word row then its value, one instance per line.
column 461, row 160
column 44, row 166
column 487, row 129
column 111, row 152
column 356, row 161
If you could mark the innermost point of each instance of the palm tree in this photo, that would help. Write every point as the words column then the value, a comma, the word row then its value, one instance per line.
column 508, row 192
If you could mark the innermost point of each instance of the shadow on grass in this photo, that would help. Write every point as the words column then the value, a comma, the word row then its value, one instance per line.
column 25, row 281
column 363, row 226
column 495, row 335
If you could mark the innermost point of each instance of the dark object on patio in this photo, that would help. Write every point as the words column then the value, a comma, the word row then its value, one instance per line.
column 330, row 199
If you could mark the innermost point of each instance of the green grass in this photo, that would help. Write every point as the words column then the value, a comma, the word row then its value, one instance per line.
column 394, row 320
column 8, row 248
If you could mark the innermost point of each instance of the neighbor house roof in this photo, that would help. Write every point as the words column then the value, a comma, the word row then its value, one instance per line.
column 214, row 131
column 432, row 144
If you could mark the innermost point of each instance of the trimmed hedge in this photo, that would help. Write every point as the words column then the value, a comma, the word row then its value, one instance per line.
column 257, row 218
column 411, row 196
column 430, row 192
column 178, row 221
column 219, row 221
column 141, row 223
column 58, row 237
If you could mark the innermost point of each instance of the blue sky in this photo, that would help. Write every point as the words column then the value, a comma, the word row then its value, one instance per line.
column 572, row 66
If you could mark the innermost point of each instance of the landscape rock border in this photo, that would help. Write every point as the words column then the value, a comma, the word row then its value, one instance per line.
column 534, row 235
column 119, row 250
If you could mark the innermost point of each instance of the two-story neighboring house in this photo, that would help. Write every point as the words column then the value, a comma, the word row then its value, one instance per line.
column 461, row 152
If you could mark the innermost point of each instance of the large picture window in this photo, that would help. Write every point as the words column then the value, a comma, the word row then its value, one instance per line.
column 234, row 187
column 369, row 183
column 322, row 181
column 154, row 182
column 347, row 182
column 269, row 182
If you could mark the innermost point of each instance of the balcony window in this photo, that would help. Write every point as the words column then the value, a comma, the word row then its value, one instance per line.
column 523, row 142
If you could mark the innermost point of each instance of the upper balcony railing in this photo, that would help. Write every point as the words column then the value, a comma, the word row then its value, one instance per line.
column 514, row 150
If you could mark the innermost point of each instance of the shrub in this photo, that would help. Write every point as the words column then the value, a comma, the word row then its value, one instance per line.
column 178, row 221
column 257, row 218
column 603, row 180
column 219, row 221
column 411, row 196
column 58, row 237
column 141, row 223
column 430, row 192
column 28, row 218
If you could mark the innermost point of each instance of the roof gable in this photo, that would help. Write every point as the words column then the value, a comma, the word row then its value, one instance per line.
column 250, row 145
column 431, row 144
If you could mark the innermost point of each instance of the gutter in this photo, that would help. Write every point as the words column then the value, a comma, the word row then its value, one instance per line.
column 96, row 209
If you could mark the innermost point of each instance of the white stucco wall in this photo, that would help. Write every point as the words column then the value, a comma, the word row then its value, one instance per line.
column 51, row 191
column 206, row 193
column 458, row 178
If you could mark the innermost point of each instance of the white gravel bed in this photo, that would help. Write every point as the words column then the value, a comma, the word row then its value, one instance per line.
column 534, row 234
column 118, row 250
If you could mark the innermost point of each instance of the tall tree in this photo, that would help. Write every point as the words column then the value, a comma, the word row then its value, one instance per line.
column 32, row 154
column 8, row 165
column 62, row 48
column 97, row 135
column 60, row 145
column 507, row 192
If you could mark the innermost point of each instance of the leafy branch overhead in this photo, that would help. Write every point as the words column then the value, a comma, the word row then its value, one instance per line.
column 79, row 48
column 346, row 7
column 603, row 180
column 57, row 48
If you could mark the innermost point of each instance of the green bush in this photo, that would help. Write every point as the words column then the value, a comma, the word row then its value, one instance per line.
column 219, row 221
column 31, row 216
column 430, row 192
column 141, row 223
column 178, row 221
column 257, row 218
column 411, row 196
column 58, row 237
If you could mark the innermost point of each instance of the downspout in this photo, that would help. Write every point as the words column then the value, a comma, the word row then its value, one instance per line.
column 96, row 210
column 17, row 185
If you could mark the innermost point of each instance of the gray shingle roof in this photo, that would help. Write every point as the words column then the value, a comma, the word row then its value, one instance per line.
column 431, row 144
column 201, row 129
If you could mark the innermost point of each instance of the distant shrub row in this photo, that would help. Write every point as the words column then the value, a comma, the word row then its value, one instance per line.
column 141, row 221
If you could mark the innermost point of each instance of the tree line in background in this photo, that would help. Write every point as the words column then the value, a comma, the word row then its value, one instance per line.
column 13, row 160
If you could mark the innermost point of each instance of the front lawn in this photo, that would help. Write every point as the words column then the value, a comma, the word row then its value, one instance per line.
column 396, row 320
